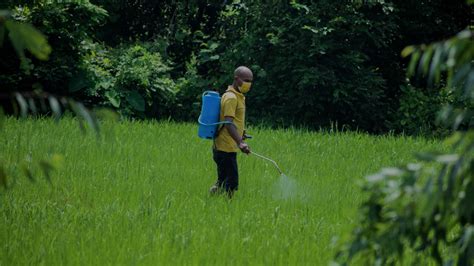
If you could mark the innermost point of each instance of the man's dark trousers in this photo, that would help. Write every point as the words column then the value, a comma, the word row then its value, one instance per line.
column 227, row 172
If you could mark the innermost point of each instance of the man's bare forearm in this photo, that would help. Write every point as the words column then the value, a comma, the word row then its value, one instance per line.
column 232, row 129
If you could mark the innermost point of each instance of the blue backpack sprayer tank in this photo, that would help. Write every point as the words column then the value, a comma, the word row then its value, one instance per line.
column 209, row 120
column 209, row 117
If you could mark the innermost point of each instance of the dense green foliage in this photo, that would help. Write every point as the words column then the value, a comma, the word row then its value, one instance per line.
column 315, row 62
column 426, row 209
column 131, row 79
column 138, row 194
column 67, row 27
column 418, row 110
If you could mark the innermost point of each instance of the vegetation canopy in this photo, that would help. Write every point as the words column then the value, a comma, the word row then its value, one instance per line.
column 131, row 74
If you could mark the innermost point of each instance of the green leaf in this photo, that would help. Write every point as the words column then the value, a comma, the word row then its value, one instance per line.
column 299, row 6
column 447, row 158
column 24, row 36
column 214, row 57
column 453, row 139
column 53, row 102
column 392, row 171
column 32, row 105
column 408, row 50
column 136, row 101
column 428, row 200
column 467, row 237
column 23, row 105
column 213, row 46
column 413, row 62
column 81, row 111
column 426, row 59
column 434, row 74
column 313, row 30
column 113, row 98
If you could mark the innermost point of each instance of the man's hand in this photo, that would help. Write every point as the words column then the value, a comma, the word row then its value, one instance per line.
column 244, row 147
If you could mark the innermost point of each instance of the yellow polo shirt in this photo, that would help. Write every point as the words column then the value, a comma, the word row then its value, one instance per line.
column 233, row 105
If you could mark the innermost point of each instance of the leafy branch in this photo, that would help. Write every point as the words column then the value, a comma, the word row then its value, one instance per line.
column 23, row 36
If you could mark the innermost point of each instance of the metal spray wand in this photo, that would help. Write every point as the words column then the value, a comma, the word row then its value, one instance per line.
column 268, row 159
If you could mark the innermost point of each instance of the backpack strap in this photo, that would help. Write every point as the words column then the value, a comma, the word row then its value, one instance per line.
column 222, row 125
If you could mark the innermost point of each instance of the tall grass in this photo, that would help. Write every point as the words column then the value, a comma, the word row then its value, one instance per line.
column 137, row 194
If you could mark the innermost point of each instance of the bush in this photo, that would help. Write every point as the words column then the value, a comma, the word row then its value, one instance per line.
column 417, row 111
column 131, row 79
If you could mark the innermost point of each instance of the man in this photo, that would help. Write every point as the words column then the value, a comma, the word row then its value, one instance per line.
column 231, row 136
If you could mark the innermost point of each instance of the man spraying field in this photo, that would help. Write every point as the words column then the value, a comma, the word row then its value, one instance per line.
column 231, row 135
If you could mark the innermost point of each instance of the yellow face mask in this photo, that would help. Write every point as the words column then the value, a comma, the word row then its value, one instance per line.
column 245, row 87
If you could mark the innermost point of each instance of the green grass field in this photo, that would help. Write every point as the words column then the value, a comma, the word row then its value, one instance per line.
column 138, row 194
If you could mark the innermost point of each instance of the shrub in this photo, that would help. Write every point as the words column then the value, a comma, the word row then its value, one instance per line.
column 417, row 110
column 131, row 79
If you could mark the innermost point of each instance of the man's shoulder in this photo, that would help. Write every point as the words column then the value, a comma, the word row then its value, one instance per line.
column 229, row 95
